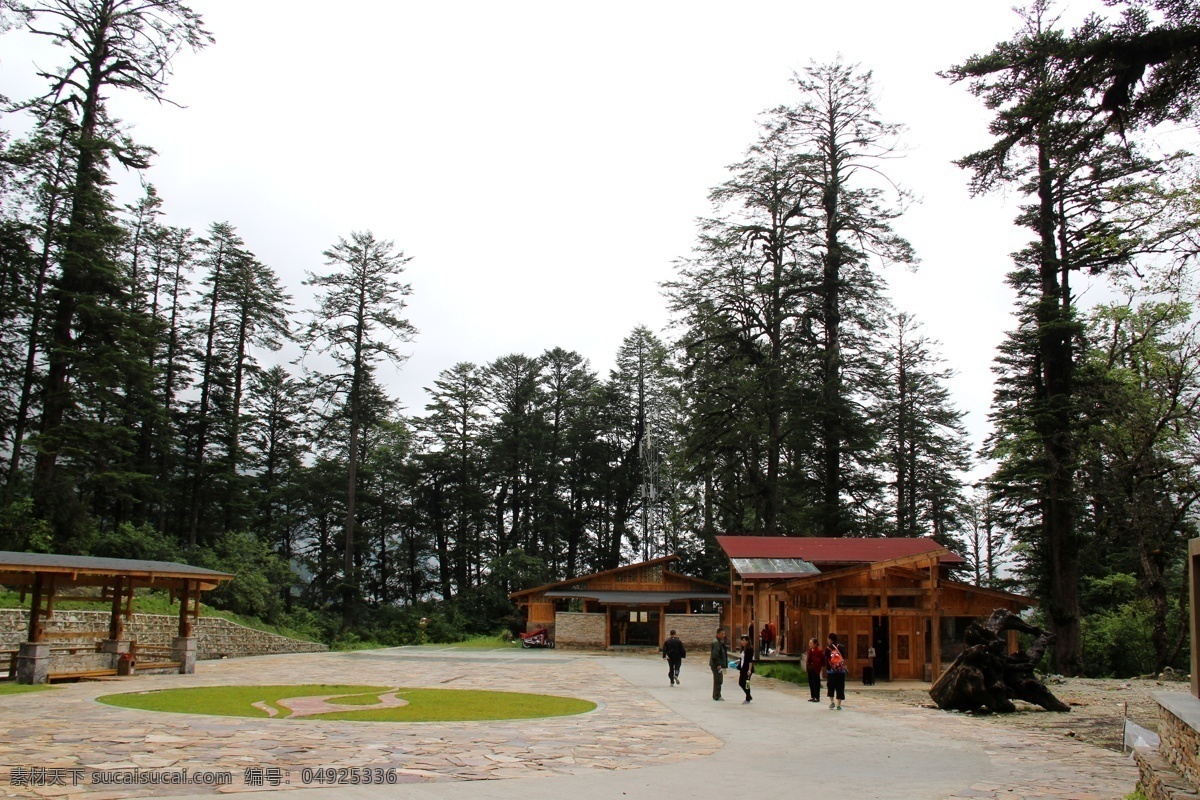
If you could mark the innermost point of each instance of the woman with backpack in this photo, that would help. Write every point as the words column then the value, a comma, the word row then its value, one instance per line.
column 835, row 671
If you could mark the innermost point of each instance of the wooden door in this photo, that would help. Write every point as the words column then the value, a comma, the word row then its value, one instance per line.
column 907, row 665
column 857, row 646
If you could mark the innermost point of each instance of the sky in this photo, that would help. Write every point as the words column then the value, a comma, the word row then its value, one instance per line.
column 544, row 163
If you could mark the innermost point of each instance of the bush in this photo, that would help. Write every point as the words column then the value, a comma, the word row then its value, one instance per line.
column 1116, row 642
column 22, row 531
column 140, row 542
column 260, row 576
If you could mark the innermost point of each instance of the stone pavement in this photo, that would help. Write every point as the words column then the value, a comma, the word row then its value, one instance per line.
column 644, row 739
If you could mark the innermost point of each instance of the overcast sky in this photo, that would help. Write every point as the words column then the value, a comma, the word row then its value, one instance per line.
column 543, row 163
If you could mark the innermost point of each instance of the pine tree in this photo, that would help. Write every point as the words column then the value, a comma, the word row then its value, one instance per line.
column 1053, row 148
column 837, row 122
column 110, row 44
column 357, row 324
column 925, row 444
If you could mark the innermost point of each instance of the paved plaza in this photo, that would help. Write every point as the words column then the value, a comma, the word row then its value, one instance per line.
column 645, row 739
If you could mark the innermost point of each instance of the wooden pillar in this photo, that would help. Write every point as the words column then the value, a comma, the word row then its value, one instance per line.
column 1194, row 592
column 36, row 628
column 185, row 600
column 935, row 620
column 116, row 626
column 33, row 656
column 833, row 610
column 885, row 618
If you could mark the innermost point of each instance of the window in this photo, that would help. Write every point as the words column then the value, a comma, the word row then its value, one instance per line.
column 862, row 643
column 852, row 601
column 902, row 648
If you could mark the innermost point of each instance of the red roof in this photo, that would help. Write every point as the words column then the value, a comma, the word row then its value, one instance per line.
column 828, row 549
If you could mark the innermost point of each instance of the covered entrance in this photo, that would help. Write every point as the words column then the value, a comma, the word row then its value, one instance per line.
column 631, row 626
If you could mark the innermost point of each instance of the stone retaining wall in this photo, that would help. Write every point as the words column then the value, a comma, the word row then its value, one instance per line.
column 696, row 631
column 577, row 629
column 1180, row 745
column 1172, row 772
column 216, row 637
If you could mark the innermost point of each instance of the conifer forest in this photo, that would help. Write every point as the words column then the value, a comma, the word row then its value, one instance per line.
column 164, row 396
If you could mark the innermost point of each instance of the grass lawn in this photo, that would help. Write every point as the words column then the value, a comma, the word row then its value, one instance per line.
column 783, row 672
column 479, row 643
column 424, row 705
column 8, row 687
column 227, row 701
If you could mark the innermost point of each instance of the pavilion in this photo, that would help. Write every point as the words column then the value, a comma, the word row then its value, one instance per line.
column 40, row 577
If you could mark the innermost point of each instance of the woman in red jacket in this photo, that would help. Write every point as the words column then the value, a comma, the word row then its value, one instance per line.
column 814, row 663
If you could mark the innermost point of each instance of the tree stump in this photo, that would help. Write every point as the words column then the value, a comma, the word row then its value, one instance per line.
column 985, row 676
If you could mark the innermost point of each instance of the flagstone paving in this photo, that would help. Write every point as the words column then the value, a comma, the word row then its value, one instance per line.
column 1024, row 764
column 643, row 739
column 68, row 730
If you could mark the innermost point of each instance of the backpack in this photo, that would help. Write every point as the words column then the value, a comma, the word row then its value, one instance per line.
column 837, row 663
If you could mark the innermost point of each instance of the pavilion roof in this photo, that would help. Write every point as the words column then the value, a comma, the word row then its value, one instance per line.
column 19, row 568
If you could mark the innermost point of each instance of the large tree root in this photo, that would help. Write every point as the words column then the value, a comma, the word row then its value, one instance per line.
column 985, row 676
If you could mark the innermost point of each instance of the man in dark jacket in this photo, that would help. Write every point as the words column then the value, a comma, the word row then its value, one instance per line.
column 718, row 659
column 674, row 653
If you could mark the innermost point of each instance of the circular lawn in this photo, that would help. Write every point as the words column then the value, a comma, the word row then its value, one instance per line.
column 359, row 703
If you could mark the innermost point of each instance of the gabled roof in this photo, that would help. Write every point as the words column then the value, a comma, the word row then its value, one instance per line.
column 823, row 550
column 19, row 568
column 570, row 582
column 635, row 598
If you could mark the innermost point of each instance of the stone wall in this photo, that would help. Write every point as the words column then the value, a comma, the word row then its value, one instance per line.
column 216, row 637
column 1180, row 744
column 696, row 631
column 577, row 629
column 1173, row 771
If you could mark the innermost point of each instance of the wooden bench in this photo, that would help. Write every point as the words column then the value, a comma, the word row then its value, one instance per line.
column 81, row 675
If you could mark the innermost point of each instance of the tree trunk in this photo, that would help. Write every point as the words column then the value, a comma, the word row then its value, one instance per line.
column 1053, row 424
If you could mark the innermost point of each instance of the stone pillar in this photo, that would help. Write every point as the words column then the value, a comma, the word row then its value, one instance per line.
column 184, row 648
column 116, row 649
column 33, row 663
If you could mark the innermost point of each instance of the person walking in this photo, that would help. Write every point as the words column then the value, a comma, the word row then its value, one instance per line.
column 814, row 662
column 674, row 652
column 718, row 658
column 746, row 667
column 835, row 671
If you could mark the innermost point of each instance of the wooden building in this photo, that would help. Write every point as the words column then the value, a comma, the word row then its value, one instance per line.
column 897, row 596
column 631, row 606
